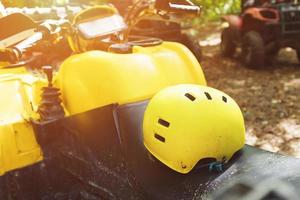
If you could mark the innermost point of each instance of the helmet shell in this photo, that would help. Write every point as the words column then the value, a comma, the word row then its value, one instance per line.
column 186, row 123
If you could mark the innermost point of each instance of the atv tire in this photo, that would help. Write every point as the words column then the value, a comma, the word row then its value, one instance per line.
column 193, row 46
column 228, row 46
column 253, row 50
column 298, row 53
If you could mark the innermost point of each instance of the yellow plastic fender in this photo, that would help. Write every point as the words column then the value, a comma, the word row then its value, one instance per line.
column 18, row 101
column 94, row 79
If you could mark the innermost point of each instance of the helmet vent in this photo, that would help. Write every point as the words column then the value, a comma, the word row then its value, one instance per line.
column 160, row 138
column 224, row 99
column 208, row 96
column 190, row 97
column 164, row 123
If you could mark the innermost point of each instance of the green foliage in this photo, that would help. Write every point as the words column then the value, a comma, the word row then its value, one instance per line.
column 45, row 3
column 27, row 3
column 213, row 9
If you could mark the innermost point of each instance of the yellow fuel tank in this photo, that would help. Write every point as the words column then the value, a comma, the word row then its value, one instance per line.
column 96, row 78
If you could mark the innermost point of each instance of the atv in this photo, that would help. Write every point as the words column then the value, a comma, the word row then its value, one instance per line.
column 169, row 22
column 107, row 68
column 166, row 25
column 262, row 29
column 73, row 130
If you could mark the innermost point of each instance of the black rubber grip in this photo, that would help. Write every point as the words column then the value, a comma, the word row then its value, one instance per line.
column 41, row 33
column 23, row 46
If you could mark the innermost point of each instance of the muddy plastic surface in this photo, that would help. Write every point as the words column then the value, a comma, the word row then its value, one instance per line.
column 91, row 165
column 159, row 182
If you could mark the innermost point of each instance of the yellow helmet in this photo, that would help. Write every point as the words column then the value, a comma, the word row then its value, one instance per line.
column 186, row 123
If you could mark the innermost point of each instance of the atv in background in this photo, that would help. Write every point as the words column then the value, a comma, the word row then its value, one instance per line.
column 262, row 29
column 170, row 27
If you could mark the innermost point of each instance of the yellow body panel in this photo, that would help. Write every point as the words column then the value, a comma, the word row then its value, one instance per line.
column 98, row 78
column 19, row 99
column 3, row 64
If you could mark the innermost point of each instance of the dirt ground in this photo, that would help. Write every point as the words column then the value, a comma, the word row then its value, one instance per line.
column 269, row 98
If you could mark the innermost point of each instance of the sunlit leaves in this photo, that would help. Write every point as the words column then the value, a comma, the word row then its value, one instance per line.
column 213, row 9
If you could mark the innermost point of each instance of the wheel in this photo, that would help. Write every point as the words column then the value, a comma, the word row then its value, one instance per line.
column 193, row 46
column 271, row 51
column 228, row 46
column 3, row 188
column 253, row 50
column 274, row 52
column 196, row 49
column 298, row 52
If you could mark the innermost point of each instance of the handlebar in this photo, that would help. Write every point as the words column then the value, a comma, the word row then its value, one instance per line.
column 43, row 33
column 167, row 9
column 21, row 48
column 51, row 32
column 15, row 53
column 185, row 7
column 189, row 9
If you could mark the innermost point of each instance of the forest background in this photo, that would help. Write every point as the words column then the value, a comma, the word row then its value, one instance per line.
column 212, row 9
